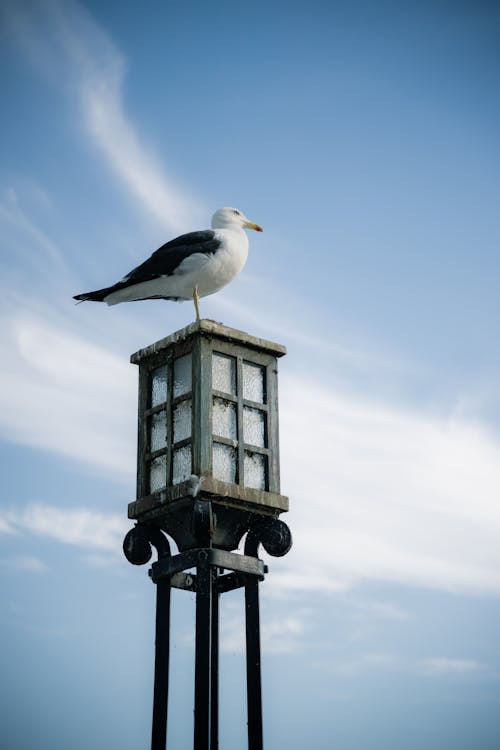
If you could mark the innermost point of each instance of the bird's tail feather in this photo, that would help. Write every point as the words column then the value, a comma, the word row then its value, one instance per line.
column 97, row 296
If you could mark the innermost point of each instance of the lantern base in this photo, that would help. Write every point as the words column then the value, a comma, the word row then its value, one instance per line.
column 234, row 509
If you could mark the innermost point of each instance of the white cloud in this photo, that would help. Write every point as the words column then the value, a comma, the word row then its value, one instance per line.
column 48, row 260
column 107, row 124
column 5, row 528
column 80, row 527
column 66, row 45
column 441, row 666
column 381, row 492
column 285, row 635
column 375, row 661
column 279, row 634
column 25, row 564
column 379, row 610
column 103, row 561
column 64, row 394
column 438, row 666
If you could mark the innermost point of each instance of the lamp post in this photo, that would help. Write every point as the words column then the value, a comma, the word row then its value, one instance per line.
column 208, row 473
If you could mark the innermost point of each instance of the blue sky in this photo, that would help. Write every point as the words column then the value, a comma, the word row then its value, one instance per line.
column 364, row 138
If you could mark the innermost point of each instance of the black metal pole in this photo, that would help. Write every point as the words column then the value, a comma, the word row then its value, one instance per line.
column 254, row 689
column 214, row 666
column 202, row 658
column 162, row 648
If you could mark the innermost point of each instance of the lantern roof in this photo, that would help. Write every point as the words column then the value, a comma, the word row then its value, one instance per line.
column 209, row 328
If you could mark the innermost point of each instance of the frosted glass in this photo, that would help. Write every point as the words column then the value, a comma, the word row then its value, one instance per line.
column 158, row 473
column 224, row 419
column 224, row 463
column 253, row 426
column 223, row 374
column 254, row 471
column 182, row 464
column 182, row 375
column 158, row 431
column 182, row 421
column 159, row 384
column 253, row 383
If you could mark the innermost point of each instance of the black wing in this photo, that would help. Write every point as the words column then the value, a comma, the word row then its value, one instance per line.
column 163, row 262
column 169, row 256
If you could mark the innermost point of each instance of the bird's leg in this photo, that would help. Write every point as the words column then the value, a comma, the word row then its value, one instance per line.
column 196, row 301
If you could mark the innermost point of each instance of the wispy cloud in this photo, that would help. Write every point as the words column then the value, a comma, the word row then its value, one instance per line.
column 383, row 492
column 379, row 610
column 103, row 561
column 362, row 663
column 66, row 45
column 384, row 662
column 279, row 635
column 298, row 322
column 24, row 564
column 80, row 527
column 64, row 394
column 48, row 258
column 440, row 666
column 5, row 528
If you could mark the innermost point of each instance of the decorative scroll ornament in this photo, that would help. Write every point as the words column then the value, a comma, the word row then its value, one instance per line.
column 273, row 534
column 139, row 542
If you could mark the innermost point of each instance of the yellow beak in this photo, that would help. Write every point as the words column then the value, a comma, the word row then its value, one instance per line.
column 251, row 225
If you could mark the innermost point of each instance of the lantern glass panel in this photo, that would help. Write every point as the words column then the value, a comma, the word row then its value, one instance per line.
column 158, row 438
column 182, row 375
column 159, row 385
column 182, row 421
column 182, row 464
column 253, row 382
column 224, row 374
column 255, row 471
column 224, row 419
column 224, row 462
column 253, row 427
column 158, row 473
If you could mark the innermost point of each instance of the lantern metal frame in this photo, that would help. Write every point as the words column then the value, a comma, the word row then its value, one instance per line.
column 234, row 503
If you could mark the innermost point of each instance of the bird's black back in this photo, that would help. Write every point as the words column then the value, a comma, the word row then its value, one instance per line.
column 165, row 260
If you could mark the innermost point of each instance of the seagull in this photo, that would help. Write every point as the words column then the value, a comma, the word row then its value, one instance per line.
column 193, row 265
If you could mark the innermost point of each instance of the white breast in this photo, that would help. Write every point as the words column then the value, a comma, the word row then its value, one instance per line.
column 210, row 273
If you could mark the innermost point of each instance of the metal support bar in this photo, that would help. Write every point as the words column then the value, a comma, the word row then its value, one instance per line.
column 202, row 658
column 162, row 648
column 167, row 566
column 230, row 581
column 214, row 665
column 185, row 581
column 254, row 689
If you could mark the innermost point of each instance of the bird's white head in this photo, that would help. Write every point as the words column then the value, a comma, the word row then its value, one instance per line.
column 226, row 218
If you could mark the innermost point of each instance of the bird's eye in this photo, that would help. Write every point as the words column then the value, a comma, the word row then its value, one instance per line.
column 236, row 212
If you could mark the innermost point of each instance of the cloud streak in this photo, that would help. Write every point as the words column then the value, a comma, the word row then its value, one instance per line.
column 65, row 44
column 279, row 634
column 79, row 527
column 67, row 395
column 25, row 564
column 385, row 493
column 441, row 666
